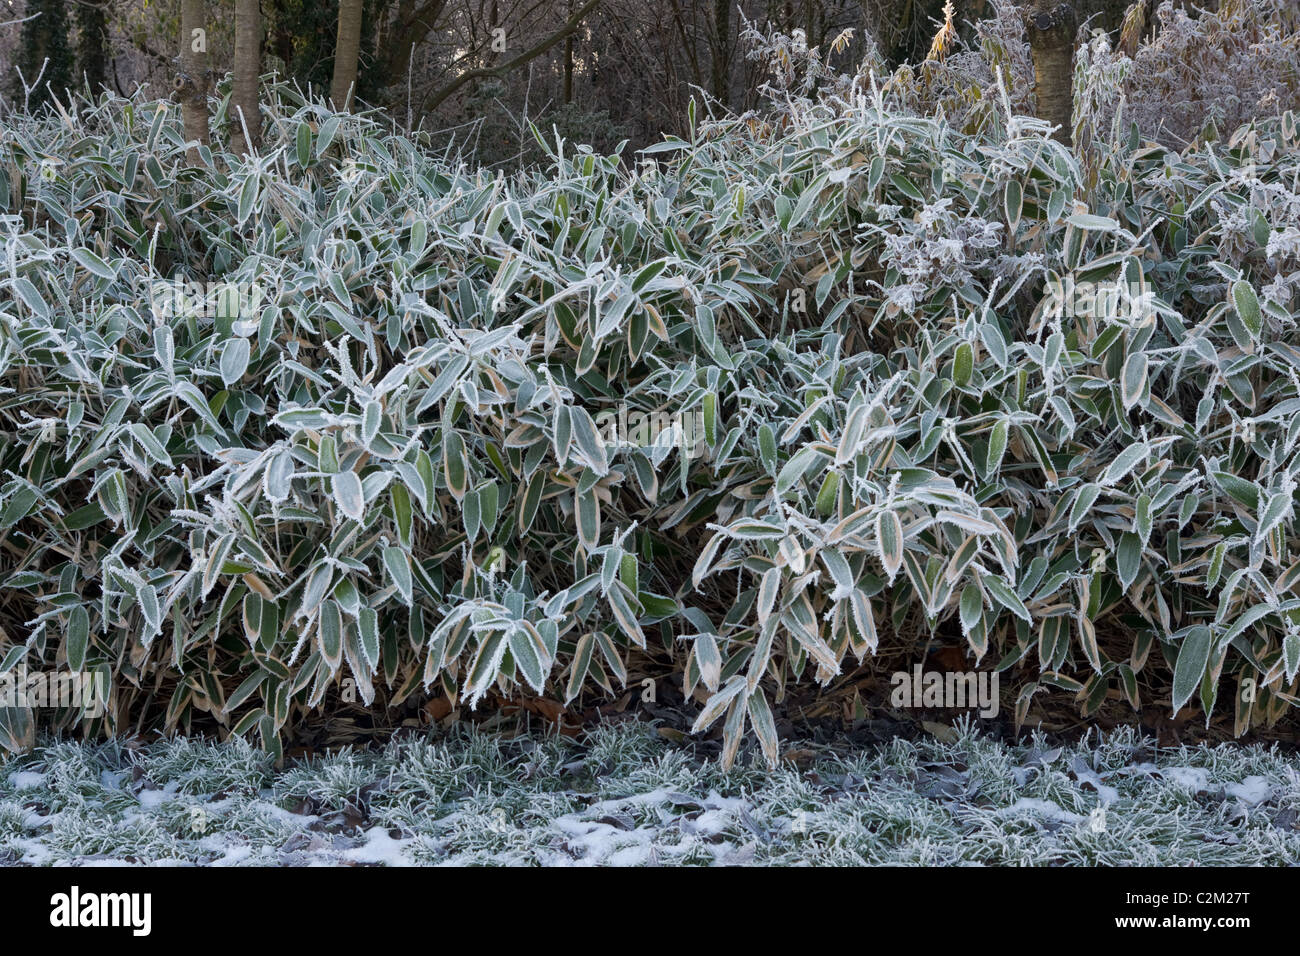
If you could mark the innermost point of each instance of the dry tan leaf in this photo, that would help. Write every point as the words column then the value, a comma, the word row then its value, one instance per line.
column 940, row 732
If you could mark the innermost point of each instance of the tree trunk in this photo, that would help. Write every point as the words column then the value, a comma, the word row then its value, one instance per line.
column 1051, row 26
column 43, row 52
column 92, row 43
column 721, row 66
column 411, row 27
column 346, row 50
column 568, row 62
column 245, row 113
column 192, row 81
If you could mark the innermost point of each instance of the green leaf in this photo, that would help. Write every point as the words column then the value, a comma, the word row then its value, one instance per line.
column 906, row 187
column 562, row 429
column 147, row 596
column 1012, row 200
column 1083, row 504
column 529, row 654
column 371, row 416
column 278, row 481
column 971, row 608
column 78, row 637
column 1278, row 510
column 247, row 198
column 303, row 144
column 963, row 364
column 794, row 469
column 588, row 441
column 588, row 515
column 827, row 493
column 234, row 360
column 889, row 542
column 455, row 463
column 581, row 663
column 1002, row 593
column 767, row 447
column 1246, row 303
column 997, row 447
column 760, row 719
column 1193, row 655
column 486, row 666
column 716, row 705
column 1090, row 223
column 992, row 338
column 648, row 273
column 319, row 578
column 1143, row 519
column 1123, row 463
column 1133, row 379
column 1128, row 558
column 1056, row 204
column 704, row 560
column 326, row 135
column 398, row 565
column 472, row 515
column 19, row 506
column 488, row 498
column 709, row 661
column 368, row 628
column 348, row 495
column 1246, row 492
column 620, row 605
column 94, row 264
column 329, row 633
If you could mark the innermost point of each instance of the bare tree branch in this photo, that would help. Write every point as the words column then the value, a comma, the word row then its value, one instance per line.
column 434, row 100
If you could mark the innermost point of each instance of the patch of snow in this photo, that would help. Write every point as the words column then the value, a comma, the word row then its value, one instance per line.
column 102, row 862
column 1196, row 779
column 234, row 855
column 152, row 799
column 34, row 851
column 1252, row 791
column 280, row 814
column 1044, row 808
column 34, row 820
column 715, row 802
column 708, row 823
column 634, row 855
column 652, row 797
column 594, row 843
column 26, row 780
column 379, row 847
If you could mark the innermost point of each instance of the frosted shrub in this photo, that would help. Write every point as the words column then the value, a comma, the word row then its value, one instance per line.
column 386, row 483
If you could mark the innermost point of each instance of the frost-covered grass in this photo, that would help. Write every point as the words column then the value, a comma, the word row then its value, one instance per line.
column 624, row 796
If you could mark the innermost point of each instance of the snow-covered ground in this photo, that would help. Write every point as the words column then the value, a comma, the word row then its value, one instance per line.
column 625, row 796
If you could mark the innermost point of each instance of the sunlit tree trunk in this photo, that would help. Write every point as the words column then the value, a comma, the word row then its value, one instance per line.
column 248, row 67
column 346, row 51
column 1051, row 26
column 192, row 81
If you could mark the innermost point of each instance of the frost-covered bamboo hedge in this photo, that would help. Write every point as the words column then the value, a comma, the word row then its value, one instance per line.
column 348, row 412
